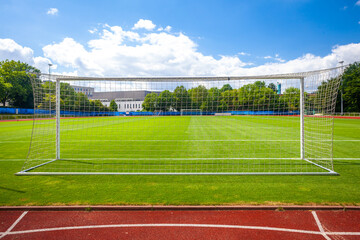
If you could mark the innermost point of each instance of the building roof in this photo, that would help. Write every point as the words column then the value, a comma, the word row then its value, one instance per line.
column 133, row 95
column 90, row 88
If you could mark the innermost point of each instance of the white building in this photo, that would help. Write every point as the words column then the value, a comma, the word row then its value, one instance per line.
column 127, row 101
column 88, row 91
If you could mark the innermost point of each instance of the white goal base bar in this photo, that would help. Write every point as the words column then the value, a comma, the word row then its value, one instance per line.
column 222, row 114
column 326, row 171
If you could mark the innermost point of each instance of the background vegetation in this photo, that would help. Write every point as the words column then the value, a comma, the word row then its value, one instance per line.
column 15, row 88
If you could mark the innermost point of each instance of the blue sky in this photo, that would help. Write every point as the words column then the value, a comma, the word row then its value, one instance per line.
column 205, row 38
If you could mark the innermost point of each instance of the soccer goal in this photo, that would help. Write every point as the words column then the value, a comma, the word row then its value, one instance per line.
column 191, row 112
column 272, row 124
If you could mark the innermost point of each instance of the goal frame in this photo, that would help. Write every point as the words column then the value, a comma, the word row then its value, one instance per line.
column 191, row 110
column 298, row 76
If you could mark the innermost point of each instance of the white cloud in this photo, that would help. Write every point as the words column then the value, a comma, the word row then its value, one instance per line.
column 118, row 52
column 43, row 63
column 279, row 60
column 92, row 31
column 276, row 57
column 167, row 29
column 244, row 54
column 145, row 24
column 357, row 3
column 11, row 50
column 126, row 53
column 52, row 11
column 345, row 7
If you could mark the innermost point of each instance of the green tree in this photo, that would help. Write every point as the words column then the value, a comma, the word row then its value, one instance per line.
column 351, row 88
column 272, row 86
column 69, row 99
column 96, row 105
column 229, row 100
column 4, row 90
column 181, row 99
column 165, row 100
column 46, row 92
column 113, row 106
column 290, row 99
column 150, row 102
column 251, row 97
column 198, row 96
column 213, row 99
column 226, row 87
column 15, row 86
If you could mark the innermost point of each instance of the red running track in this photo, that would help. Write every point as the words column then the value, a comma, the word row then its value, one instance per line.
column 228, row 224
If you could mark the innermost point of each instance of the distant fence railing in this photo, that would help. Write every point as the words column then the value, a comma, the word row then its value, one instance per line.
column 348, row 114
column 15, row 117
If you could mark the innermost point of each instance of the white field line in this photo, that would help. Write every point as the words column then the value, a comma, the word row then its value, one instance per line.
column 346, row 158
column 182, row 225
column 8, row 231
column 112, row 159
column 168, row 140
column 319, row 225
column 188, row 140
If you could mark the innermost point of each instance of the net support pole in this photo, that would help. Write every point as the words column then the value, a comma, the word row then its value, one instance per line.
column 302, row 106
column 57, row 119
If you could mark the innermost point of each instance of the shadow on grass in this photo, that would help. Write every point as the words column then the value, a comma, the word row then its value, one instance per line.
column 11, row 189
column 347, row 163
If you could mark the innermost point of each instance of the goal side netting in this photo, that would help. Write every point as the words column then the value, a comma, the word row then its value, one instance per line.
column 274, row 124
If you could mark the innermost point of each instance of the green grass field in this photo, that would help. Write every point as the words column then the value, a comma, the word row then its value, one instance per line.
column 187, row 140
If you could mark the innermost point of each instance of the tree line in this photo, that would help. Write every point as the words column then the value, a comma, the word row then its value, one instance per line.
column 16, row 91
column 70, row 100
column 251, row 97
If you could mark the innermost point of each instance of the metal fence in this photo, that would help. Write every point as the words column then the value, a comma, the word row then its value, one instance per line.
column 15, row 117
column 348, row 114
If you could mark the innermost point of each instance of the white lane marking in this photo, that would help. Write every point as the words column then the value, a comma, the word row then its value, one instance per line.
column 319, row 225
column 168, row 225
column 343, row 233
column 183, row 225
column 8, row 231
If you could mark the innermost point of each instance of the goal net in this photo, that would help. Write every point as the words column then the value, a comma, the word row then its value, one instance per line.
column 274, row 124
column 191, row 112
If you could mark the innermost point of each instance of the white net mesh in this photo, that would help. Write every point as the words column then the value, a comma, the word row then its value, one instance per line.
column 215, row 125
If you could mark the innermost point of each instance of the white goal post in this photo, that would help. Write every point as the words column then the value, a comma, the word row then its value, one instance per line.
column 274, row 124
column 191, row 112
